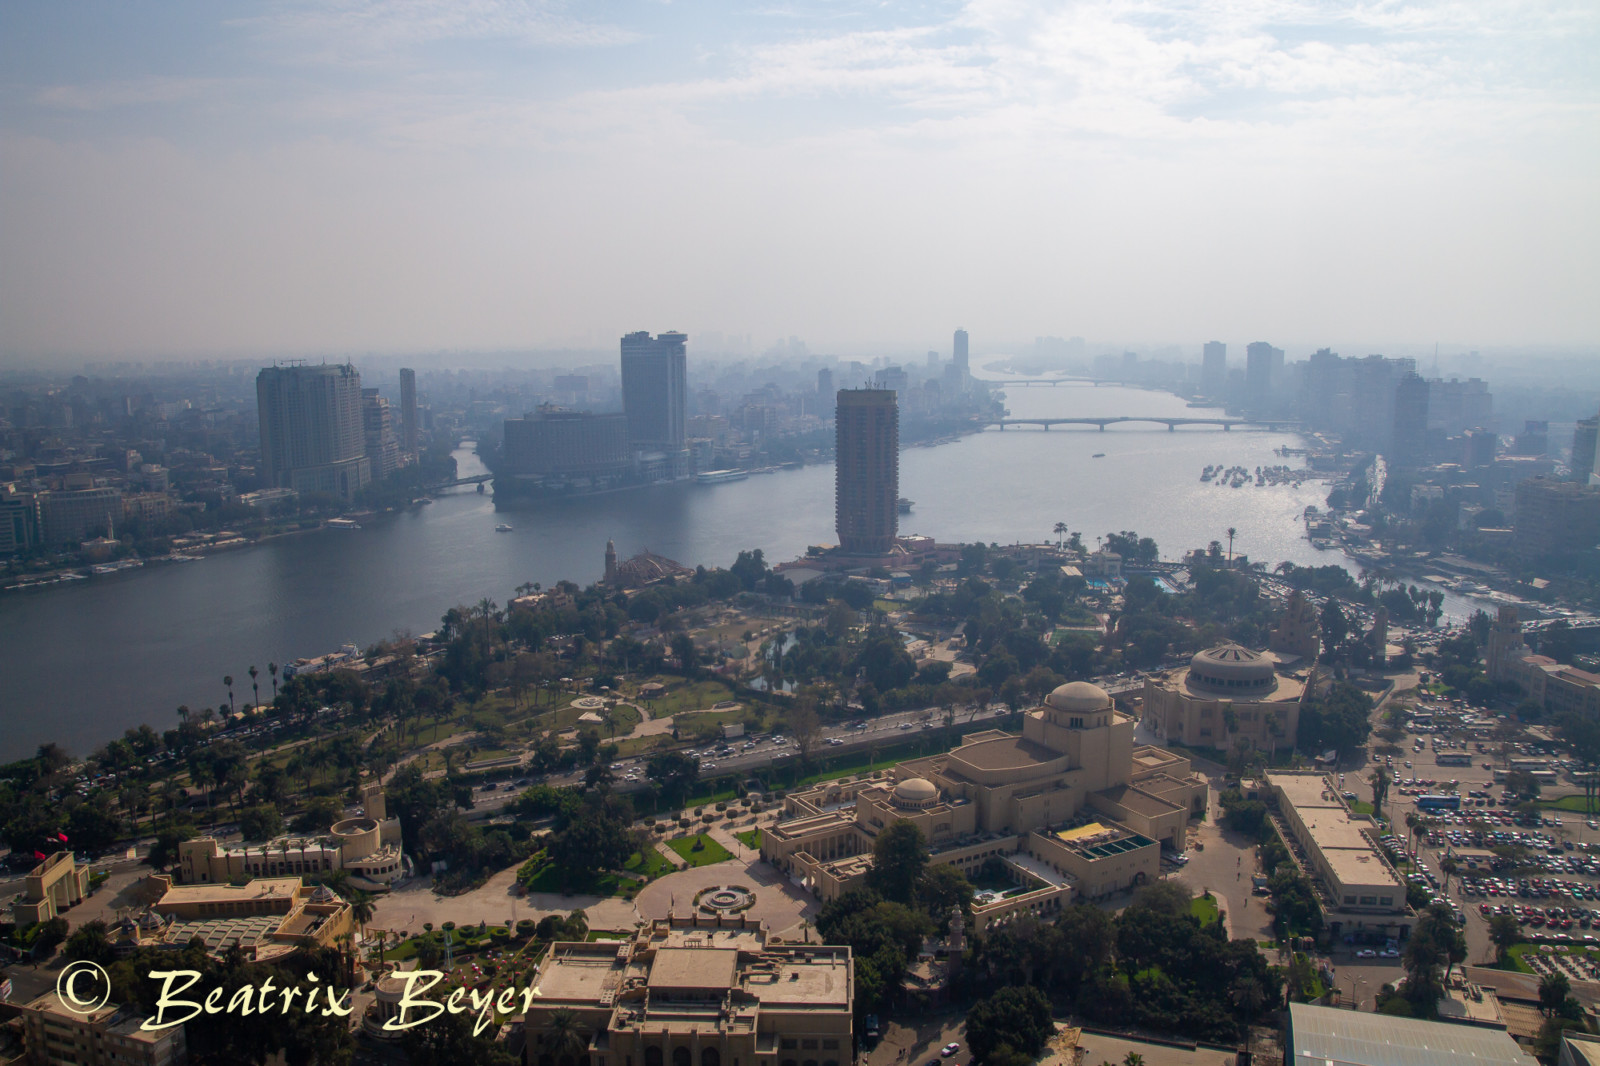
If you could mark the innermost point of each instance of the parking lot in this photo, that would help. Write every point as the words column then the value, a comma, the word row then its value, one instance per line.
column 1543, row 869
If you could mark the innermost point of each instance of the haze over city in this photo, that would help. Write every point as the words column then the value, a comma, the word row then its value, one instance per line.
column 186, row 179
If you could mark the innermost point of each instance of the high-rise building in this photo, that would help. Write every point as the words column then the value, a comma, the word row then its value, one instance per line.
column 1214, row 368
column 1555, row 518
column 1408, row 441
column 1585, row 437
column 960, row 358
column 1534, row 438
column 1480, row 447
column 892, row 377
column 19, row 521
column 1262, row 369
column 377, row 434
column 572, row 390
column 825, row 383
column 312, row 437
column 866, row 470
column 556, row 443
column 70, row 515
column 1456, row 406
column 655, row 390
column 408, row 412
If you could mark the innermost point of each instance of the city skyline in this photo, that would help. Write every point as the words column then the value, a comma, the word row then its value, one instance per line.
column 1410, row 174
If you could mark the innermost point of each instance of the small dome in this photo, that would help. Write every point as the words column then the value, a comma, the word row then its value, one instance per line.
column 1079, row 697
column 915, row 792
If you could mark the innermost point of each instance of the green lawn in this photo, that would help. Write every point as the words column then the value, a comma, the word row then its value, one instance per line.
column 707, row 853
column 1514, row 960
column 649, row 863
column 698, row 696
column 750, row 838
column 1204, row 909
column 625, row 718
column 539, row 874
column 1567, row 803
column 1361, row 806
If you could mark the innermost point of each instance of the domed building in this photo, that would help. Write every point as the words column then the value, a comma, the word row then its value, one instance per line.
column 1070, row 809
column 1225, row 694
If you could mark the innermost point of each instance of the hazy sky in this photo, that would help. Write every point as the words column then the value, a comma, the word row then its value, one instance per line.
column 192, row 177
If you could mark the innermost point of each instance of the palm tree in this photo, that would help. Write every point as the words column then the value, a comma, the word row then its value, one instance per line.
column 565, row 1034
column 272, row 668
column 1232, row 532
column 361, row 909
column 228, row 680
column 183, row 713
column 1448, row 866
column 1380, row 789
column 254, row 684
column 1061, row 534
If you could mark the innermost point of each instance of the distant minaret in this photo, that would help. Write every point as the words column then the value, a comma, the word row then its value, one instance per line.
column 611, row 563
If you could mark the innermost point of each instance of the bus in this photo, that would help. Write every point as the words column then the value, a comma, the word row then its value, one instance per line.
column 1438, row 803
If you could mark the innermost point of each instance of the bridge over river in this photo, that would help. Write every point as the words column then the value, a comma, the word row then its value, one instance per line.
column 1172, row 423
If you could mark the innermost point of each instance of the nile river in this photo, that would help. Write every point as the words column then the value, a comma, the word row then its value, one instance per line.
column 82, row 661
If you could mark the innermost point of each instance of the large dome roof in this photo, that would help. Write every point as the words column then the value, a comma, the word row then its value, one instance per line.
column 915, row 792
column 1230, row 666
column 1078, row 697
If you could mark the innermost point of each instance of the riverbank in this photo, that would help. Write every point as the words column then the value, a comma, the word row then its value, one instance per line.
column 102, row 656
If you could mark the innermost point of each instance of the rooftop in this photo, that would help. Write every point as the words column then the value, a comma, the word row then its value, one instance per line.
column 697, row 968
column 1138, row 800
column 1003, row 754
column 1328, row 1035
column 283, row 888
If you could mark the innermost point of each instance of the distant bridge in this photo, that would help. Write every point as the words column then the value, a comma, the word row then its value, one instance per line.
column 476, row 479
column 1170, row 423
column 1055, row 381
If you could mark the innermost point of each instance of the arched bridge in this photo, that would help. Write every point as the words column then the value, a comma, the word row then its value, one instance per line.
column 1170, row 423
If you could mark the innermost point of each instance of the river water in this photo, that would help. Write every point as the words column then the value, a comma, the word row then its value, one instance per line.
column 82, row 661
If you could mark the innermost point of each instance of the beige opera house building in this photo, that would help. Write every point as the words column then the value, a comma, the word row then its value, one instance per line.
column 1070, row 810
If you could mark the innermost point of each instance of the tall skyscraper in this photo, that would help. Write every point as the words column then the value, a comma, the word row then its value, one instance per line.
column 961, row 353
column 1214, row 368
column 377, row 433
column 1408, row 442
column 655, row 390
column 408, row 412
column 1263, row 365
column 1585, row 437
column 866, row 470
column 311, row 429
column 825, row 383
